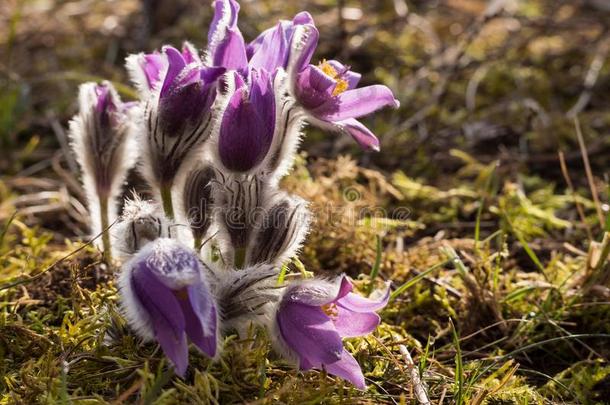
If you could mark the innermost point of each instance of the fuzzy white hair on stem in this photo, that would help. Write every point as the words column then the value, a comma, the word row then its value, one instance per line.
column 102, row 138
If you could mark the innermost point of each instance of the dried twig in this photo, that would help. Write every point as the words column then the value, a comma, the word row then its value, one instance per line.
column 418, row 386
column 589, row 172
column 581, row 212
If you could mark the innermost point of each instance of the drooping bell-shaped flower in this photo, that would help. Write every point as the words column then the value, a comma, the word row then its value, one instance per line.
column 166, row 298
column 281, row 228
column 177, row 117
column 103, row 141
column 248, row 123
column 328, row 92
column 313, row 317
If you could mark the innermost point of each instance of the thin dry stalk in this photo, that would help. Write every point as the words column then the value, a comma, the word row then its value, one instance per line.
column 418, row 386
column 585, row 159
column 566, row 176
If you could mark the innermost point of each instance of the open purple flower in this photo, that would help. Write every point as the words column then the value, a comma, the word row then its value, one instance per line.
column 314, row 316
column 248, row 123
column 166, row 298
column 269, row 51
column 329, row 94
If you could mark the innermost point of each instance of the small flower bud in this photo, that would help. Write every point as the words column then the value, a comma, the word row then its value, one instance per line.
column 280, row 230
column 102, row 139
column 197, row 200
column 141, row 222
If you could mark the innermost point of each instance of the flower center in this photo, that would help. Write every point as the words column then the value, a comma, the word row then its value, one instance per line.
column 336, row 76
column 330, row 310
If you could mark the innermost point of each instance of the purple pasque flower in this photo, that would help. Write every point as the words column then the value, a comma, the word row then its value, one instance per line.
column 313, row 317
column 187, row 93
column 165, row 297
column 102, row 137
column 269, row 51
column 147, row 70
column 328, row 92
column 177, row 116
column 99, row 134
column 248, row 122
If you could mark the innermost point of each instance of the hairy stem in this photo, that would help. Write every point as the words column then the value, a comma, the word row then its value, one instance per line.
column 197, row 243
column 240, row 257
column 166, row 198
column 105, row 233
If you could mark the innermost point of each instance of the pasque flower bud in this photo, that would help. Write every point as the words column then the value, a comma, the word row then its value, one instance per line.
column 102, row 139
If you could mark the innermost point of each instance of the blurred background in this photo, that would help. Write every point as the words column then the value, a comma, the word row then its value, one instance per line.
column 500, row 80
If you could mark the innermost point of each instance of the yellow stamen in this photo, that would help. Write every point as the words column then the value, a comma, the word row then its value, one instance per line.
column 330, row 310
column 333, row 74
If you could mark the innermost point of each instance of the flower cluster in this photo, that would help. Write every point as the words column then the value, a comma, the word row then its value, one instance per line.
column 213, row 133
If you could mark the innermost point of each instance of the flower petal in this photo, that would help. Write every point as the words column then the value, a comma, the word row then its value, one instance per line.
column 175, row 265
column 345, row 287
column 174, row 345
column 302, row 46
column 189, row 53
column 152, row 65
column 314, row 88
column 358, row 303
column 302, row 18
column 225, row 16
column 203, row 306
column 263, row 98
column 352, row 78
column 175, row 65
column 314, row 292
column 357, row 103
column 310, row 333
column 211, row 74
column 348, row 369
column 230, row 52
column 352, row 324
column 361, row 134
column 164, row 311
column 247, row 126
column 272, row 52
